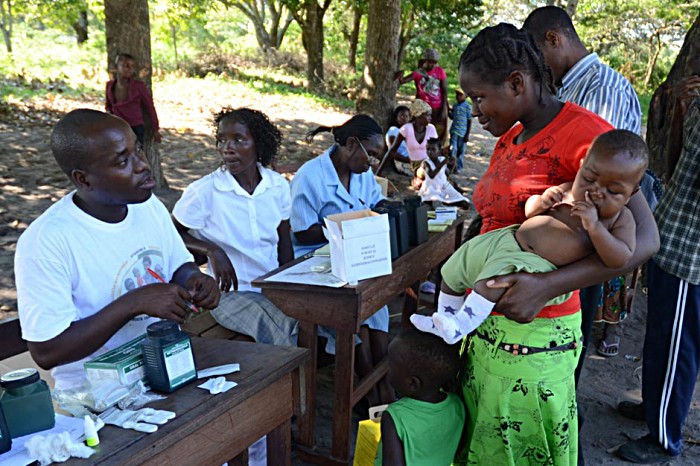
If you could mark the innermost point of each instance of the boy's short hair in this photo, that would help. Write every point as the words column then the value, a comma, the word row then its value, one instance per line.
column 431, row 359
column 69, row 140
column 434, row 141
column 123, row 56
column 622, row 141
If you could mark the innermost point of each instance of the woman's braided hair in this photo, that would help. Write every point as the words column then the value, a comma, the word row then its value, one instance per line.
column 266, row 135
column 499, row 50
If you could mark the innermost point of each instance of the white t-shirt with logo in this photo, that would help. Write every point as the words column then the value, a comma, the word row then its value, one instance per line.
column 70, row 265
column 217, row 209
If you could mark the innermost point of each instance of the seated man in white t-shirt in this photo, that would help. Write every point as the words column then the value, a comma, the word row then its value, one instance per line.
column 84, row 267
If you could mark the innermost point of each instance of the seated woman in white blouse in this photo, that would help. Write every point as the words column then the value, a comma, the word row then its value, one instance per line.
column 238, row 217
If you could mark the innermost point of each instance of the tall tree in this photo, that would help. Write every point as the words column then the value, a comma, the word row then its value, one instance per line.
column 128, row 30
column 6, row 23
column 378, row 94
column 423, row 17
column 80, row 26
column 309, row 15
column 351, row 28
column 270, row 18
column 643, row 30
column 658, row 123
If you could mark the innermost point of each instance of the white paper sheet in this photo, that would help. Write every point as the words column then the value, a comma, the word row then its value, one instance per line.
column 312, row 271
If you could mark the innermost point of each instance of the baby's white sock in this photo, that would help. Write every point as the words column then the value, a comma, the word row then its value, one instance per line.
column 453, row 326
column 446, row 303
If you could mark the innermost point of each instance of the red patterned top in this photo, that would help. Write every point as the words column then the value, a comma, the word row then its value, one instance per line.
column 517, row 171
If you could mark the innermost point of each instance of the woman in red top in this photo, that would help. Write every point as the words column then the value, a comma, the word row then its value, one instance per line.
column 521, row 404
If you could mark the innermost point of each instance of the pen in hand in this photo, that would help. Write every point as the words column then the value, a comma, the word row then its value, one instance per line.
column 160, row 279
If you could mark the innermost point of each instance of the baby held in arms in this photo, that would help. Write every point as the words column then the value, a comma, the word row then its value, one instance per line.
column 564, row 224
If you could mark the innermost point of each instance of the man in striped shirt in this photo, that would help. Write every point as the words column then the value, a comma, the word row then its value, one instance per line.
column 579, row 74
column 672, row 342
column 582, row 79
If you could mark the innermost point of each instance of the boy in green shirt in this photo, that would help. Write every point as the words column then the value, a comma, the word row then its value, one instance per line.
column 425, row 425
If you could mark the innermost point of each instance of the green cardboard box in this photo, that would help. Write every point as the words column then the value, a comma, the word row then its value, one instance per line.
column 123, row 364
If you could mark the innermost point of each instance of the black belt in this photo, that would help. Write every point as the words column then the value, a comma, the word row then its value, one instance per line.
column 518, row 349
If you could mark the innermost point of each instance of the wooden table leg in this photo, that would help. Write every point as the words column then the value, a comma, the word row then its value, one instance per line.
column 410, row 304
column 279, row 445
column 343, row 388
column 307, row 418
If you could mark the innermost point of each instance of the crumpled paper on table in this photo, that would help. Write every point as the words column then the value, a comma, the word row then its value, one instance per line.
column 55, row 448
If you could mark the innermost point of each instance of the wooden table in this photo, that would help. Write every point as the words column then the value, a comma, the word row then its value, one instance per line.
column 344, row 309
column 213, row 429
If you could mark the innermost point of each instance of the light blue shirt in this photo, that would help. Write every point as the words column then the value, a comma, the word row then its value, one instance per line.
column 602, row 90
column 317, row 193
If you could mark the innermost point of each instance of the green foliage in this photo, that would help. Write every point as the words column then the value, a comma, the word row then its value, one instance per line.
column 640, row 38
column 216, row 42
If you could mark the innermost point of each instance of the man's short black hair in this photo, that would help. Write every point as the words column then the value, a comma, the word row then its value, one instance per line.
column 69, row 139
column 549, row 18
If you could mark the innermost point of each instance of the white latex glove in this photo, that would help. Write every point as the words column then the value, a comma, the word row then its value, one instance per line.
column 143, row 420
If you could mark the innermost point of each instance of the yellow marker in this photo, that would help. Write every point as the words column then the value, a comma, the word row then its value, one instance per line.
column 91, row 437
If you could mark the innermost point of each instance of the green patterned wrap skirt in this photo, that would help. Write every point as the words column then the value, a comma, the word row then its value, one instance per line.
column 521, row 409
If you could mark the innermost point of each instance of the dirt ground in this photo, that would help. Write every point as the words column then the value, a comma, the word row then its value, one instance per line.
column 31, row 182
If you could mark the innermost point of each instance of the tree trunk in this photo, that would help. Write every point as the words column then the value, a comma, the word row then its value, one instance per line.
column 310, row 20
column 173, row 37
column 6, row 7
column 654, row 52
column 354, row 35
column 81, row 27
column 658, row 123
column 405, row 36
column 128, row 30
column 378, row 95
column 269, row 30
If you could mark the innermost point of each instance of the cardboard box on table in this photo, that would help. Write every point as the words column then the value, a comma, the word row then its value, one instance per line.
column 359, row 245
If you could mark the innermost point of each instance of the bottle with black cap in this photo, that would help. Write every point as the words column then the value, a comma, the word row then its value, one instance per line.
column 26, row 402
column 167, row 356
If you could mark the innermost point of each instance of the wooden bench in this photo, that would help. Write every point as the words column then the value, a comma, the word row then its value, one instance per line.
column 204, row 325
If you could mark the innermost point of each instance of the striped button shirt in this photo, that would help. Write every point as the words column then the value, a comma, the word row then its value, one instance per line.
column 602, row 90
column 678, row 213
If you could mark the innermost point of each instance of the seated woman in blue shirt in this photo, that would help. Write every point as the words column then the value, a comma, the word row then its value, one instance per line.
column 337, row 181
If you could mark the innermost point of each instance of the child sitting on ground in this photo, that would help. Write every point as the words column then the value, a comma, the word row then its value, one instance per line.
column 424, row 427
column 399, row 117
column 436, row 186
column 586, row 217
column 126, row 96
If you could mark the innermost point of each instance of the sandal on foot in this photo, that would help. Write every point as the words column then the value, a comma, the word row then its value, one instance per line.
column 609, row 350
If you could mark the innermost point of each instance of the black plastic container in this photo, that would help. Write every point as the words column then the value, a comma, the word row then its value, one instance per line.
column 5, row 439
column 398, row 223
column 26, row 402
column 417, row 219
column 167, row 357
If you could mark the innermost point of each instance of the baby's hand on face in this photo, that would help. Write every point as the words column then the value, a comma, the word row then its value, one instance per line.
column 551, row 197
column 586, row 211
